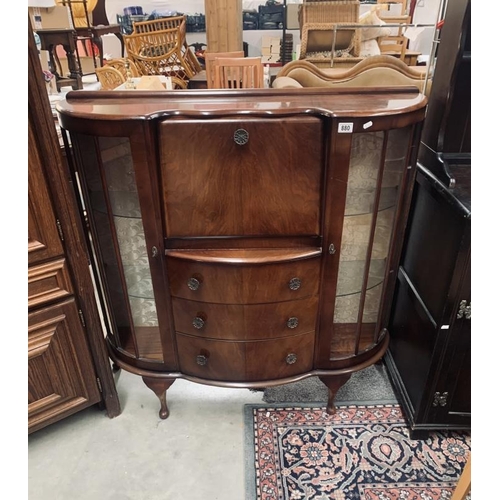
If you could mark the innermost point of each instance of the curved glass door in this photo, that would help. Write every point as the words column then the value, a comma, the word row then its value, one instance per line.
column 377, row 166
column 116, row 215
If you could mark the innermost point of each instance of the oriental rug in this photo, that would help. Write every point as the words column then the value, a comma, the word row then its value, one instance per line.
column 364, row 452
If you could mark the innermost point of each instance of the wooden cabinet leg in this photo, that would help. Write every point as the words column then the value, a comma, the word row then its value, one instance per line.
column 160, row 386
column 334, row 383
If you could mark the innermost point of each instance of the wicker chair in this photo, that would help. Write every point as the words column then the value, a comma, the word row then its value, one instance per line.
column 167, row 23
column 317, row 20
column 238, row 73
column 114, row 73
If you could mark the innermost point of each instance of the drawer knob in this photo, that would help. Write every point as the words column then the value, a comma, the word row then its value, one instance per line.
column 193, row 284
column 292, row 322
column 291, row 359
column 294, row 283
column 201, row 359
column 240, row 136
column 198, row 322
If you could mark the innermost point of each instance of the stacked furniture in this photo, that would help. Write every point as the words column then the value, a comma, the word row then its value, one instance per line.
column 159, row 47
column 245, row 238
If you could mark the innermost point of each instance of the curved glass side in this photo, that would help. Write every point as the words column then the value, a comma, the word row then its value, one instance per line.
column 376, row 169
column 114, row 203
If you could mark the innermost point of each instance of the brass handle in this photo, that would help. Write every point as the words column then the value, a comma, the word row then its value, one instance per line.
column 291, row 359
column 198, row 322
column 240, row 136
column 201, row 359
column 193, row 284
column 292, row 322
column 464, row 310
column 294, row 283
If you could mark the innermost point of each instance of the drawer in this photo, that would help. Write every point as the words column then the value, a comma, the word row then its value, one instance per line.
column 245, row 361
column 245, row 322
column 48, row 282
column 235, row 283
column 238, row 176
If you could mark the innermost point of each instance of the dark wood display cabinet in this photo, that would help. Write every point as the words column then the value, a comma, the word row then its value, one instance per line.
column 245, row 238
column 68, row 363
column 429, row 355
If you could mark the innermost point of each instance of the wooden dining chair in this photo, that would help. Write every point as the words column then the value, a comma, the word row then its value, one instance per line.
column 238, row 73
column 396, row 43
column 209, row 63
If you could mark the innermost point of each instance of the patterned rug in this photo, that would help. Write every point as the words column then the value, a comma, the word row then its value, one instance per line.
column 362, row 452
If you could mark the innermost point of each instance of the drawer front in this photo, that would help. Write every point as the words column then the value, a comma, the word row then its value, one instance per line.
column 48, row 282
column 245, row 322
column 245, row 361
column 240, row 176
column 243, row 284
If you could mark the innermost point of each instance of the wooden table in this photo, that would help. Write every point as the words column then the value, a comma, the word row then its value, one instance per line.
column 49, row 40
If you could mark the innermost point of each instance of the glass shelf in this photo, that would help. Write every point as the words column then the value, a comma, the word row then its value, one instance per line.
column 350, row 277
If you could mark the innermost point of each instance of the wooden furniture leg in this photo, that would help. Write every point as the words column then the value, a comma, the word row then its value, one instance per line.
column 160, row 386
column 464, row 483
column 333, row 383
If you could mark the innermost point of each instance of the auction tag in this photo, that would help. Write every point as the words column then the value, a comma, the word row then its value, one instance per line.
column 346, row 128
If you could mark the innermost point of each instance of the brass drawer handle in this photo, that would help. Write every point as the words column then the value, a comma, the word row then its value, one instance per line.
column 240, row 136
column 198, row 322
column 291, row 359
column 193, row 284
column 201, row 359
column 292, row 322
column 294, row 284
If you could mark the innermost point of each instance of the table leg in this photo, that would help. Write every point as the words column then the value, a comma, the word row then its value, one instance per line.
column 74, row 70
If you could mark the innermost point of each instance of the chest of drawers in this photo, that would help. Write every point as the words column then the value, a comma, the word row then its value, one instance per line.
column 249, row 238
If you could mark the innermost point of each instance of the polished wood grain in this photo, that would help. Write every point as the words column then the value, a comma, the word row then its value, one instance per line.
column 213, row 186
column 86, row 107
column 245, row 322
column 48, row 282
column 245, row 256
column 232, row 218
column 249, row 361
column 243, row 284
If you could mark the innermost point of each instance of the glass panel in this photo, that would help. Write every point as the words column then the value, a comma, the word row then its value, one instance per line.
column 366, row 220
column 394, row 168
column 122, row 243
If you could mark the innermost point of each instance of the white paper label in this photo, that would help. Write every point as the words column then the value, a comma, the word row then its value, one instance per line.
column 346, row 128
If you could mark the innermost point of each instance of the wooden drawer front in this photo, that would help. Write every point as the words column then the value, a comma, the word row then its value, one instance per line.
column 270, row 185
column 61, row 378
column 48, row 282
column 245, row 361
column 243, row 284
column 245, row 322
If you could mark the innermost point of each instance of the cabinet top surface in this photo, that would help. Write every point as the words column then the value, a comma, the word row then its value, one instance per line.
column 339, row 103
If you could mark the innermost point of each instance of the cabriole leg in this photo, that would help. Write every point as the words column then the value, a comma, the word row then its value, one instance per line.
column 334, row 383
column 160, row 386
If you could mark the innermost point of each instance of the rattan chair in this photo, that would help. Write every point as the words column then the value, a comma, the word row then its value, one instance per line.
column 160, row 53
column 238, row 73
column 114, row 73
column 167, row 23
column 210, row 61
